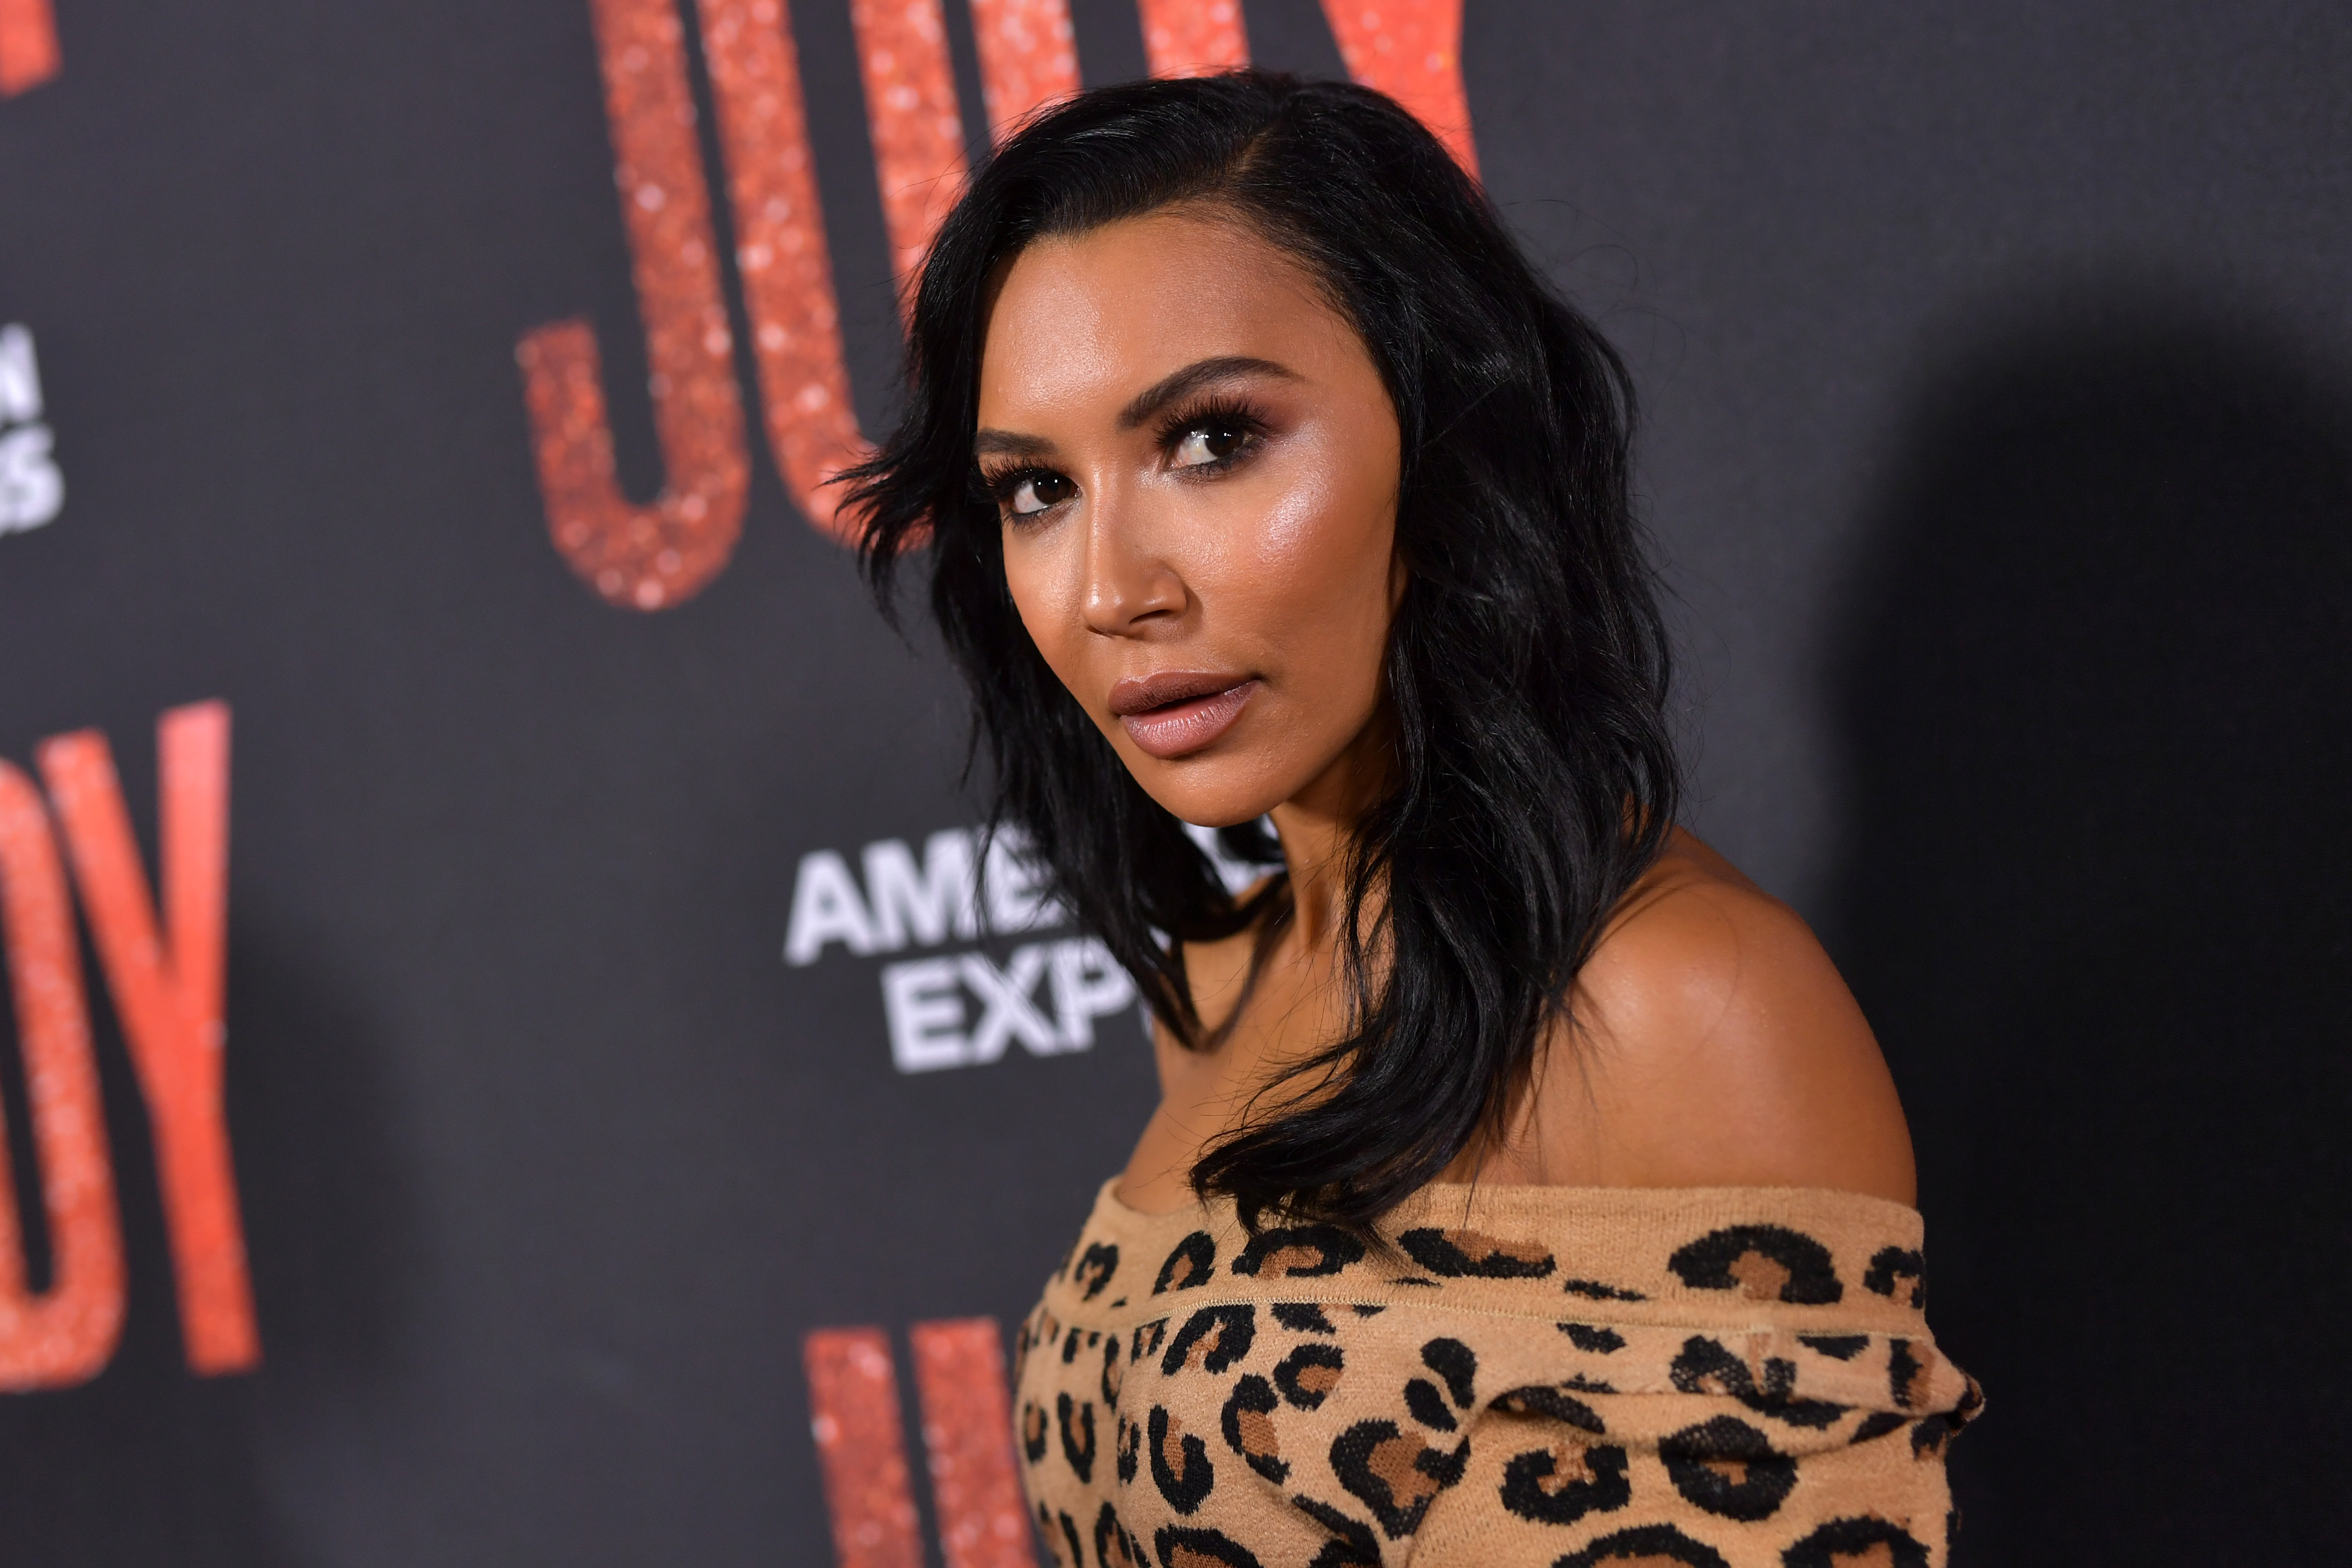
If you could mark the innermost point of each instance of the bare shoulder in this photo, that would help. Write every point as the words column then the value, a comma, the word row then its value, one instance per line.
column 1715, row 1044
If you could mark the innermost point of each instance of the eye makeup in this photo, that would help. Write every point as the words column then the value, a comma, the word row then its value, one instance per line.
column 1202, row 440
column 1226, row 431
column 1011, row 487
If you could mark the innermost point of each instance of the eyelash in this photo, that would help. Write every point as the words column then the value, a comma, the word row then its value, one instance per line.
column 1235, row 413
column 999, row 484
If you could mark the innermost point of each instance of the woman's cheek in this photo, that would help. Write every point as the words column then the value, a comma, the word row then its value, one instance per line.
column 1321, row 549
column 1291, row 510
column 1033, row 599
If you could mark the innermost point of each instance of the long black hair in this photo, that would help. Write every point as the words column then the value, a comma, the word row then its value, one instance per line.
column 1534, row 777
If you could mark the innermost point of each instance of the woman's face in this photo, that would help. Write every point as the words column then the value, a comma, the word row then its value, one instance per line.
column 1195, row 464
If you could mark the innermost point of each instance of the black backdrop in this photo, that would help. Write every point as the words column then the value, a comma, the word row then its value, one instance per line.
column 1998, row 448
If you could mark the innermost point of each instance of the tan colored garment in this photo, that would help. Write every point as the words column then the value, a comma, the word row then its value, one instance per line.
column 1709, row 1378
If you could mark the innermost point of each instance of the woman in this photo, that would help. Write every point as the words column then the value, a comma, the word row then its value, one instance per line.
column 1525, row 1186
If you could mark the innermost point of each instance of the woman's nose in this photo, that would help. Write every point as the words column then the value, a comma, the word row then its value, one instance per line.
column 1129, row 583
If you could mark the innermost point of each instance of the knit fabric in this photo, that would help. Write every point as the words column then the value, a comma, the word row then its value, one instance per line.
column 1708, row 1378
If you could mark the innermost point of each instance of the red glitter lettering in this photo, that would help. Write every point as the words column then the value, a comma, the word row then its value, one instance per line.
column 1193, row 37
column 168, row 977
column 649, row 556
column 1028, row 57
column 28, row 46
column 67, row 1334
column 968, row 1434
column 1411, row 50
column 854, row 1412
column 755, row 78
column 912, row 117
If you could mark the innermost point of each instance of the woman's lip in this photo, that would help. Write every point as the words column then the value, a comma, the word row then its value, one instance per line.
column 1175, row 728
column 1135, row 694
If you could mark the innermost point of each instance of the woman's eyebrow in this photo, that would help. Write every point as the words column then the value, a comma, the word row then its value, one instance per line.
column 1143, row 405
column 1007, row 443
column 1192, row 378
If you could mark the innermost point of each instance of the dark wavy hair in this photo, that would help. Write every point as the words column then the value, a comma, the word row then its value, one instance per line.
column 1534, row 778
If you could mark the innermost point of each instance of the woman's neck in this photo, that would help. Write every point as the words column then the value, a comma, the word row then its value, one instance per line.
column 1317, row 825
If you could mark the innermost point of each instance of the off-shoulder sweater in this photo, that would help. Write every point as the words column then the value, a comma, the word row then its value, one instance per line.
column 1710, row 1378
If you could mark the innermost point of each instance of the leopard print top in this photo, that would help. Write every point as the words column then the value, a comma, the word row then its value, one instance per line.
column 1710, row 1378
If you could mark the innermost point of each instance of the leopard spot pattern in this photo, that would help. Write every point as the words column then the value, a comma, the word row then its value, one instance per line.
column 1736, row 1369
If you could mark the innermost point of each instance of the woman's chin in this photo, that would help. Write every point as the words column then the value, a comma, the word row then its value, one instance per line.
column 1192, row 791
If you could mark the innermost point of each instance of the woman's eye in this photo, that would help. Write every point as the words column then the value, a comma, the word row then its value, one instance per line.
column 1035, row 493
column 1210, row 441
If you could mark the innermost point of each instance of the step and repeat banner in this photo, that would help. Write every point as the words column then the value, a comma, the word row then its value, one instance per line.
column 517, row 1053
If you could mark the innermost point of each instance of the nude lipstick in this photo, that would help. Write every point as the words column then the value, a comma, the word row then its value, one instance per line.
column 1170, row 714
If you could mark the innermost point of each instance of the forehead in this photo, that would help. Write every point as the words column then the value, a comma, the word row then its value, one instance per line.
column 1096, row 317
